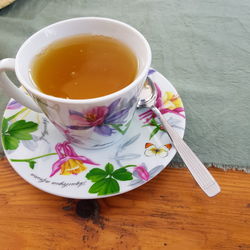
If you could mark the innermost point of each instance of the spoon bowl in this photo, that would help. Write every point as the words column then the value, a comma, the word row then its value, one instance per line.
column 148, row 95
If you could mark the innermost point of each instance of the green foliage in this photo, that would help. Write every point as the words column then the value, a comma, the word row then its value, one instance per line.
column 105, row 186
column 96, row 174
column 106, row 181
column 158, row 127
column 19, row 130
column 122, row 174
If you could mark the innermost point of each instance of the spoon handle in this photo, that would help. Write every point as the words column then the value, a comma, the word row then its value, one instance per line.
column 200, row 173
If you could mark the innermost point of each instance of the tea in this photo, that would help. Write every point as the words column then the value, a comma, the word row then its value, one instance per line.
column 83, row 67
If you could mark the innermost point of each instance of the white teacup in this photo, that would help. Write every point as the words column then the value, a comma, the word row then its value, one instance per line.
column 112, row 113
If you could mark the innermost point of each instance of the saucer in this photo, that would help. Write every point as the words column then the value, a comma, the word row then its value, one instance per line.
column 45, row 159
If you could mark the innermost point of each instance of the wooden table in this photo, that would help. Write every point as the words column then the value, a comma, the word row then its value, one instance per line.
column 169, row 212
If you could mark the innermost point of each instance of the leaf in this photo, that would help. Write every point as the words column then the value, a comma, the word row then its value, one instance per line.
column 117, row 127
column 10, row 142
column 153, row 122
column 21, row 129
column 112, row 187
column 105, row 186
column 95, row 188
column 32, row 164
column 109, row 168
column 155, row 131
column 4, row 125
column 96, row 174
column 122, row 174
column 127, row 126
column 21, row 135
column 23, row 126
column 131, row 165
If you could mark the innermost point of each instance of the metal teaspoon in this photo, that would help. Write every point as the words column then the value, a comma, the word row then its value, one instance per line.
column 200, row 173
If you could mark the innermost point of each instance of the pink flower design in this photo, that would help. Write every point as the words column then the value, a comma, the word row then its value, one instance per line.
column 69, row 162
column 92, row 118
column 142, row 172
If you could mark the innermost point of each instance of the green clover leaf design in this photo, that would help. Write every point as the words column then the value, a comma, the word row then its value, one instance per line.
column 109, row 168
column 106, row 181
column 19, row 130
column 122, row 174
column 4, row 125
column 105, row 186
column 96, row 174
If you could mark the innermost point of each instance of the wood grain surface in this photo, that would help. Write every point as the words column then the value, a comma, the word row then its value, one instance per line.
column 169, row 212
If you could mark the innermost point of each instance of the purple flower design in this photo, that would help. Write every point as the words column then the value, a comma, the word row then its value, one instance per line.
column 14, row 105
column 102, row 118
column 151, row 71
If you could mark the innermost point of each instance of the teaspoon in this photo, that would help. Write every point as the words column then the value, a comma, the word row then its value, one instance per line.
column 200, row 173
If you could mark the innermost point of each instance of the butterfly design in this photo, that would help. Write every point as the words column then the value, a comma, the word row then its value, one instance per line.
column 152, row 150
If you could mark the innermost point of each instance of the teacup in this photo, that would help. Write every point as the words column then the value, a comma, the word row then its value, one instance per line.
column 71, row 116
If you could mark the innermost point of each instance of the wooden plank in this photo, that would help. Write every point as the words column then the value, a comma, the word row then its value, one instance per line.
column 169, row 212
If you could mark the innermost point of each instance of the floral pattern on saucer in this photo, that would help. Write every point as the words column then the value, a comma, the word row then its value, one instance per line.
column 52, row 163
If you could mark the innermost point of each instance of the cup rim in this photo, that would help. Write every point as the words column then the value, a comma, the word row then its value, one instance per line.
column 114, row 95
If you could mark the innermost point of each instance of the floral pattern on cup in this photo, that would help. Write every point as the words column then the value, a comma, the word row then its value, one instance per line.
column 105, row 120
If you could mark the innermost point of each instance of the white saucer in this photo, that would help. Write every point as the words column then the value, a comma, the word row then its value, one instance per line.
column 144, row 157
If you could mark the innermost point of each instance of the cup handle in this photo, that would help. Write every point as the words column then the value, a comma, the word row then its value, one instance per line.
column 11, row 89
